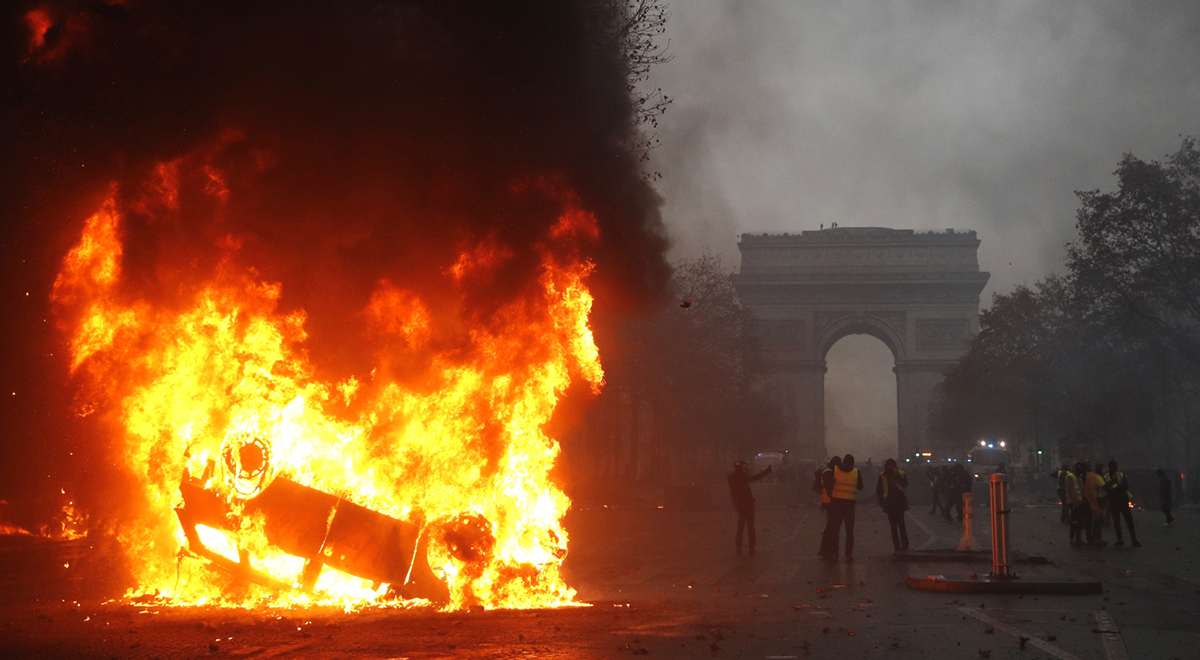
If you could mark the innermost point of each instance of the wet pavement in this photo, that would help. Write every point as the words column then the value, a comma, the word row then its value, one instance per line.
column 668, row 584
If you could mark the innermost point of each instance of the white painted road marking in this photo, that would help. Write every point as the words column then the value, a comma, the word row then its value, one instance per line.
column 1000, row 625
column 1110, row 636
column 928, row 532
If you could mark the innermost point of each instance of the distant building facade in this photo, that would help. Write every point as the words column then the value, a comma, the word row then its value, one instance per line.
column 916, row 292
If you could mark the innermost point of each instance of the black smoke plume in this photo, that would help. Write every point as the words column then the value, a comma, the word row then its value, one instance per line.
column 376, row 137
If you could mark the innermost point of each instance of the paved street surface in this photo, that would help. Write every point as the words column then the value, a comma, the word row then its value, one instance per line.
column 667, row 584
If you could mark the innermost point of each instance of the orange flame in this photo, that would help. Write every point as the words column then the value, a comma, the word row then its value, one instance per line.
column 184, row 387
column 39, row 22
column 52, row 34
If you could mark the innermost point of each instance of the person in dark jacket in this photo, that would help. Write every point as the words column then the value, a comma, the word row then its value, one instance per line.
column 959, row 483
column 935, row 489
column 889, row 490
column 743, row 500
column 1165, row 492
column 1118, row 504
column 946, row 489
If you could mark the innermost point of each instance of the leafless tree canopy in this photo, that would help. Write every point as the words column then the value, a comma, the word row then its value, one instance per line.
column 635, row 28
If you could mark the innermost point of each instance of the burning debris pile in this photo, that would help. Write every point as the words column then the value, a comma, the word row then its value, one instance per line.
column 70, row 524
column 321, row 342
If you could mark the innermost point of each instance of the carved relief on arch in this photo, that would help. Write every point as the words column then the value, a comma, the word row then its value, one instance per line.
column 888, row 326
column 942, row 334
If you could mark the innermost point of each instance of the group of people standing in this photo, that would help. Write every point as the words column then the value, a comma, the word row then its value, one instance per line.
column 947, row 485
column 839, row 485
column 1090, row 495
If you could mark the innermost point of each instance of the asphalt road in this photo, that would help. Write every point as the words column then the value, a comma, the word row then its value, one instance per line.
column 668, row 584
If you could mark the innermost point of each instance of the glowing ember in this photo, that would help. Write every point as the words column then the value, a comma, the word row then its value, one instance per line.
column 220, row 392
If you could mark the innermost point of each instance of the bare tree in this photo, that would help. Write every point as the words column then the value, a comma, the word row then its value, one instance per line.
column 635, row 28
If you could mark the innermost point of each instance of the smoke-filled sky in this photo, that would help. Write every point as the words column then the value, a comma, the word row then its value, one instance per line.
column 919, row 114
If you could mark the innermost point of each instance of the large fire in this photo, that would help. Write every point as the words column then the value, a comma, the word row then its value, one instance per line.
column 220, row 392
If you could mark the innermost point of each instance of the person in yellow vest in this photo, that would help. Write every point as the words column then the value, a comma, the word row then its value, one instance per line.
column 1102, row 496
column 842, row 494
column 1093, row 487
column 1073, row 492
column 824, row 476
column 1119, row 498
column 889, row 489
column 827, row 482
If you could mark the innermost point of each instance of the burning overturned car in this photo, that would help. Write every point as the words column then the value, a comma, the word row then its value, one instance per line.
column 319, row 528
column 246, row 514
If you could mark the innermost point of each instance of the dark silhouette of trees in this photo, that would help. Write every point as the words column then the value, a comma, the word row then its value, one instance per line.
column 1138, row 262
column 1111, row 351
column 1042, row 368
column 1138, row 254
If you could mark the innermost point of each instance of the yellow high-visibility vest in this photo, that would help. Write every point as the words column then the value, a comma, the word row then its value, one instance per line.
column 845, row 484
column 885, row 483
column 1117, row 481
column 824, row 493
column 1073, row 493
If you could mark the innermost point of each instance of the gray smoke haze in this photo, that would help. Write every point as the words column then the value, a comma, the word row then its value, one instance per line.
column 860, row 399
column 916, row 114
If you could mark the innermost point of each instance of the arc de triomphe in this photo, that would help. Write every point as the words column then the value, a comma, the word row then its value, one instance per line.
column 916, row 292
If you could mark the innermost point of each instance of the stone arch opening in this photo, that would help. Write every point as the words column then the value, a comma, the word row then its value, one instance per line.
column 853, row 324
column 861, row 416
